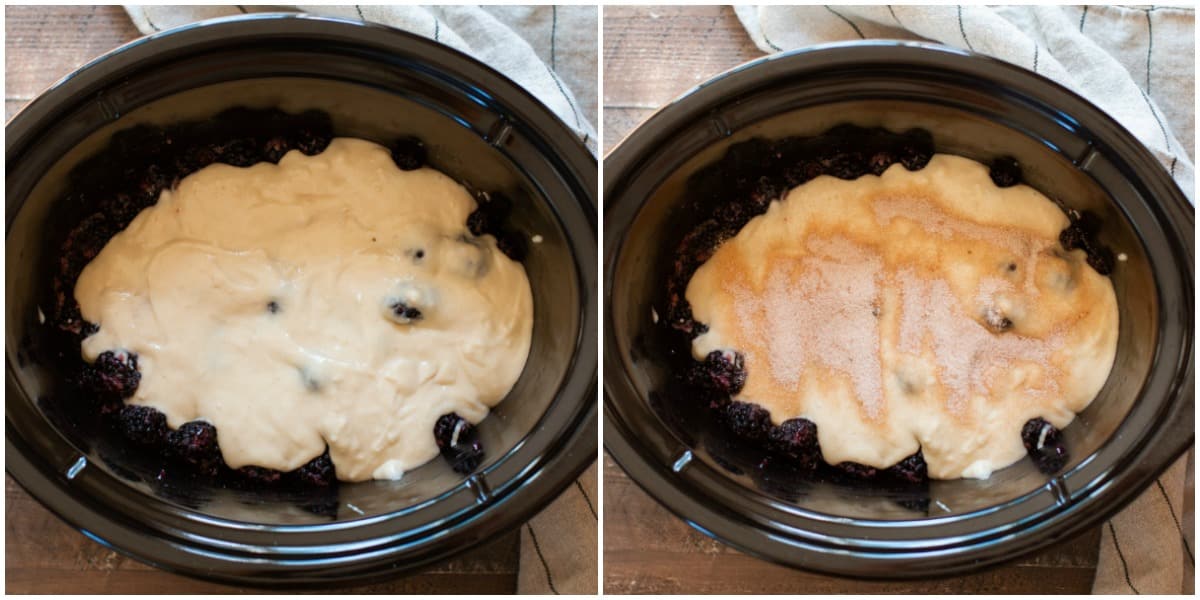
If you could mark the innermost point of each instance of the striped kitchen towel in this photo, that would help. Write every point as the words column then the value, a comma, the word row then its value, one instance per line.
column 549, row 50
column 1138, row 64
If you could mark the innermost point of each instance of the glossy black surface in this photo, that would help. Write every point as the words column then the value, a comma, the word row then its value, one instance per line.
column 375, row 83
column 973, row 106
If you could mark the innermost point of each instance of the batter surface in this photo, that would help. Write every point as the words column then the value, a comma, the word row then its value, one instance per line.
column 922, row 309
column 330, row 299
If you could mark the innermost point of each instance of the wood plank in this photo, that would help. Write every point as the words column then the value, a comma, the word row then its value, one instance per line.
column 654, row 53
column 12, row 106
column 45, row 43
column 618, row 122
column 44, row 555
column 647, row 550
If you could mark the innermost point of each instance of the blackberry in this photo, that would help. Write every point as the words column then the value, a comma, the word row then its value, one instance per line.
column 122, row 208
column 193, row 159
column 275, row 149
column 1101, row 260
column 142, row 425
column 847, row 165
column 721, row 373
column 916, row 150
column 879, row 162
column 112, row 377
column 996, row 321
column 479, row 222
column 408, row 154
column 241, row 152
column 802, row 172
column 1005, row 172
column 1045, row 445
column 732, row 214
column 195, row 444
column 797, row 440
column 154, row 181
column 403, row 313
column 489, row 215
column 747, row 420
column 912, row 469
column 1073, row 237
column 260, row 475
column 511, row 244
column 1081, row 234
column 765, row 190
column 856, row 470
column 458, row 441
column 319, row 472
column 311, row 142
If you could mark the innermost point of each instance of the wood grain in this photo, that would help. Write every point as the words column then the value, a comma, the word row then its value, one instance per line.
column 652, row 55
column 44, row 555
column 44, row 43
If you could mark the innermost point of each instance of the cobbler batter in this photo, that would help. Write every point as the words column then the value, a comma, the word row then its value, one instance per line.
column 922, row 309
column 330, row 299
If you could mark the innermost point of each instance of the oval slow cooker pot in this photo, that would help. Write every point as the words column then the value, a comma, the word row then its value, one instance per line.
column 368, row 81
column 973, row 106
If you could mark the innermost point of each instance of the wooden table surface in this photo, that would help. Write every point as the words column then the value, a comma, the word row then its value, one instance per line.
column 651, row 55
column 43, row 554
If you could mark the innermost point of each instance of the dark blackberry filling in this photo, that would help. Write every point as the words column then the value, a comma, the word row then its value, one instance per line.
column 106, row 192
column 489, row 218
column 720, row 373
column 408, row 154
column 195, row 445
column 1081, row 234
column 746, row 420
column 796, row 439
column 143, row 425
column 1045, row 445
column 458, row 441
column 403, row 313
column 111, row 378
column 1005, row 172
column 318, row 472
column 723, row 197
column 260, row 475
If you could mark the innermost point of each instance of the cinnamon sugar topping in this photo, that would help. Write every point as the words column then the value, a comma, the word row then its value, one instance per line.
column 925, row 309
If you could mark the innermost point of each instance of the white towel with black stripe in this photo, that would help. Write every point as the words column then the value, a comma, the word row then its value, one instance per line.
column 1137, row 64
column 549, row 50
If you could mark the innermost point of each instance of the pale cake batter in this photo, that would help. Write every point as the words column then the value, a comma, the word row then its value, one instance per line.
column 330, row 299
column 923, row 310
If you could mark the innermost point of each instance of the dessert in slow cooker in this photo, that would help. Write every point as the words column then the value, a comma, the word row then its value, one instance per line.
column 878, row 309
column 304, row 314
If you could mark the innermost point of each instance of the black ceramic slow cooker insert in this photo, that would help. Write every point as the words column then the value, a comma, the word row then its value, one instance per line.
column 366, row 81
column 973, row 106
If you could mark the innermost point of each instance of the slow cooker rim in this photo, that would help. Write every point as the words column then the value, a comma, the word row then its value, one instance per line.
column 564, row 457
column 623, row 160
column 84, row 76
